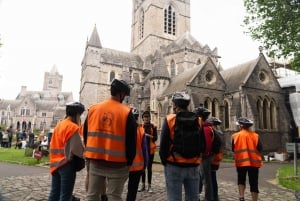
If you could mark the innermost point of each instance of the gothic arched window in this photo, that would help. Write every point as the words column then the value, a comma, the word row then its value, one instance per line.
column 273, row 115
column 259, row 114
column 141, row 25
column 111, row 76
column 226, row 117
column 265, row 114
column 173, row 68
column 170, row 21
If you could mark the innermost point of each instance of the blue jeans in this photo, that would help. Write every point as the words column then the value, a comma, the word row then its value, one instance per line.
column 205, row 172
column 63, row 181
column 176, row 177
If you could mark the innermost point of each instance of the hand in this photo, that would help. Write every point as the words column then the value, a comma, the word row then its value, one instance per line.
column 148, row 135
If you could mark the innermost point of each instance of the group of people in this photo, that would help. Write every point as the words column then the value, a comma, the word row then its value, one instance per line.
column 117, row 149
column 195, row 171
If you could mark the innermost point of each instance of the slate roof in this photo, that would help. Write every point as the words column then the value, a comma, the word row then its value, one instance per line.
column 238, row 75
column 179, row 82
column 120, row 58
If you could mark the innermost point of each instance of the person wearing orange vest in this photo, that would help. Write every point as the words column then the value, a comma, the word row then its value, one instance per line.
column 65, row 146
column 178, row 169
column 151, row 136
column 140, row 161
column 217, row 155
column 111, row 143
column 207, row 156
column 246, row 146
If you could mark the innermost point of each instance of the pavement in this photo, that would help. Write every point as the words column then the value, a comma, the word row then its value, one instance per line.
column 26, row 183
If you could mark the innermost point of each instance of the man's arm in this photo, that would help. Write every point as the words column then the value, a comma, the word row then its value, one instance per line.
column 130, row 140
column 164, row 142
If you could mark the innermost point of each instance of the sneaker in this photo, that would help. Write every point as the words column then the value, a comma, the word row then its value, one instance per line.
column 142, row 188
column 150, row 190
column 104, row 198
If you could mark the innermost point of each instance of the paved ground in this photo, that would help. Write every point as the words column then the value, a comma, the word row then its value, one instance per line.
column 24, row 183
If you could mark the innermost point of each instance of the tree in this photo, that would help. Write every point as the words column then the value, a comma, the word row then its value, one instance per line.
column 276, row 24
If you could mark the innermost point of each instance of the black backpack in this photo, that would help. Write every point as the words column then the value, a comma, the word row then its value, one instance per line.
column 188, row 135
column 217, row 142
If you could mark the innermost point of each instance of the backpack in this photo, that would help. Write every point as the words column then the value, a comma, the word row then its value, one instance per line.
column 188, row 135
column 217, row 142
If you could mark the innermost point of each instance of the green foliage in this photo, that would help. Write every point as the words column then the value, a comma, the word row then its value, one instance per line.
column 12, row 155
column 287, row 178
column 275, row 23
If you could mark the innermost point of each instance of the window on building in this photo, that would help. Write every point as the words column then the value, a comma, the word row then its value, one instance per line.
column 215, row 108
column 173, row 68
column 25, row 112
column 259, row 114
column 198, row 62
column 170, row 21
column 226, row 115
column 265, row 114
column 141, row 25
column 273, row 115
column 111, row 76
column 44, row 114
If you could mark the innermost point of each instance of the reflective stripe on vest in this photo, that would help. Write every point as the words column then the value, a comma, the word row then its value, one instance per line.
column 245, row 151
column 107, row 131
column 178, row 158
column 138, row 161
column 61, row 134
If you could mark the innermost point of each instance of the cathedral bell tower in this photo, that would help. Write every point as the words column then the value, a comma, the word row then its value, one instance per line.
column 157, row 23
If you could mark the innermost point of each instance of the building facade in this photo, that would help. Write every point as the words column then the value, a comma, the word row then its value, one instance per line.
column 165, row 58
column 37, row 110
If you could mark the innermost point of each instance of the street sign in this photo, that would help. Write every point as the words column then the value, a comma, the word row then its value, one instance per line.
column 290, row 147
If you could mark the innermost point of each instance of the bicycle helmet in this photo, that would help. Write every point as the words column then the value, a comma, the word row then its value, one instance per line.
column 120, row 86
column 243, row 121
column 181, row 99
column 202, row 112
column 135, row 112
column 74, row 108
column 214, row 121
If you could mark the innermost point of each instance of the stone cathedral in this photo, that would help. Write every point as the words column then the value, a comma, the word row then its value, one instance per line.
column 165, row 58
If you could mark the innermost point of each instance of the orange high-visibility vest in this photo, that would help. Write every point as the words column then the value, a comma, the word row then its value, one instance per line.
column 63, row 131
column 245, row 149
column 138, row 161
column 177, row 157
column 107, row 131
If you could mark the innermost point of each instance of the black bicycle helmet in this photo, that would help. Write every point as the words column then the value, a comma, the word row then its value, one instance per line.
column 181, row 99
column 245, row 122
column 214, row 121
column 202, row 112
column 74, row 108
column 120, row 86
column 135, row 113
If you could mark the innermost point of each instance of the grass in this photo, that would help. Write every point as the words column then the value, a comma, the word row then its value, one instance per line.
column 12, row 155
column 287, row 178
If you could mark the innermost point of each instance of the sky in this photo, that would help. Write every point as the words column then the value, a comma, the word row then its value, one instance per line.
column 39, row 34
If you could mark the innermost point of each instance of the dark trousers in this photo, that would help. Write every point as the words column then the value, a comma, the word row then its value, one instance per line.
column 133, row 184
column 149, row 170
